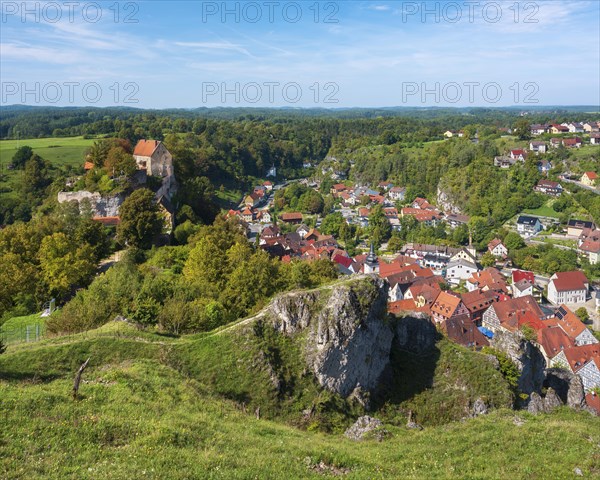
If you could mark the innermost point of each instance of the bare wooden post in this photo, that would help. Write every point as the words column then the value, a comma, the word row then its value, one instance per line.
column 78, row 378
column 257, row 413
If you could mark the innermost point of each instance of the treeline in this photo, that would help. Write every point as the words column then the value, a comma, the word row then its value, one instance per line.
column 214, row 279
column 34, row 122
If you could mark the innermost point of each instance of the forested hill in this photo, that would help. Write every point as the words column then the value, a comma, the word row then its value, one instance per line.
column 26, row 121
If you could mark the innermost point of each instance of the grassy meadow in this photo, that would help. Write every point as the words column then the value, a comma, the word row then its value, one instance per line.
column 67, row 151
column 156, row 407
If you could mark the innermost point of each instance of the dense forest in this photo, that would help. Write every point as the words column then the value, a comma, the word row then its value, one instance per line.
column 52, row 250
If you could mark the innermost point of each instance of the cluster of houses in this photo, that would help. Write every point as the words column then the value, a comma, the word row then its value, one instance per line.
column 567, row 127
column 420, row 209
column 255, row 206
column 492, row 305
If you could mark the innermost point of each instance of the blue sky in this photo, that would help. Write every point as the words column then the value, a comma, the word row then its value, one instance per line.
column 337, row 54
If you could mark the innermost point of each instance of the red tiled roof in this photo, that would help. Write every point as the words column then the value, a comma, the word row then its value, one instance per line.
column 462, row 330
column 508, row 312
column 593, row 401
column 291, row 216
column 445, row 304
column 145, row 148
column 108, row 221
column 568, row 281
column 518, row 275
column 570, row 323
column 579, row 356
column 88, row 166
column 591, row 175
column 553, row 340
column 344, row 261
column 590, row 246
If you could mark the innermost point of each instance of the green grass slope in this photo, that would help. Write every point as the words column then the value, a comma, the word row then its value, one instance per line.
column 155, row 407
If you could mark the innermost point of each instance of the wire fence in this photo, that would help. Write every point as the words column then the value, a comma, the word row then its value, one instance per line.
column 22, row 333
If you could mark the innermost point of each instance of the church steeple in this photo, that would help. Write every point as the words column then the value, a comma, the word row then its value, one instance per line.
column 371, row 262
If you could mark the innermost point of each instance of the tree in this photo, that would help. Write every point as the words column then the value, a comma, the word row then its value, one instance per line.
column 332, row 224
column 140, row 219
column 583, row 314
column 379, row 226
column 488, row 260
column 21, row 156
column 119, row 162
column 522, row 129
column 64, row 263
column 2, row 347
column 513, row 241
column 35, row 176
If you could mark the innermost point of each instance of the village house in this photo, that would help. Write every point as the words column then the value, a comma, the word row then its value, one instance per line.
column 479, row 301
column 252, row 200
column 590, row 249
column 460, row 269
column 582, row 360
column 518, row 154
column 294, row 218
column 503, row 161
column 574, row 127
column 447, row 306
column 576, row 227
column 591, row 126
column 385, row 185
column 544, row 166
column 528, row 226
column 497, row 248
column 153, row 157
column 537, row 129
column 574, row 327
column 572, row 142
column 555, row 128
column 568, row 288
column 595, row 138
column 504, row 316
column 548, row 187
column 489, row 279
column 589, row 179
column 397, row 193
column 463, row 330
column 455, row 220
column 538, row 147
column 553, row 340
column 263, row 216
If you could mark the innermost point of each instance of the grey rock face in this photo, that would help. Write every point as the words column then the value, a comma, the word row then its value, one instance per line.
column 415, row 334
column 576, row 395
column 551, row 401
column 479, row 408
column 292, row 312
column 349, row 343
column 528, row 359
column 536, row 404
column 363, row 426
column 568, row 386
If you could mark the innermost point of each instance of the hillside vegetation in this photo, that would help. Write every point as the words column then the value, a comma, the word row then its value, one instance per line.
column 158, row 407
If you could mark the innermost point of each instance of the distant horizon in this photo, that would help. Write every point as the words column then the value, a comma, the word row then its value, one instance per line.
column 287, row 107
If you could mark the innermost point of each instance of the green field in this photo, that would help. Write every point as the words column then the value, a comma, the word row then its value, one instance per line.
column 148, row 408
column 58, row 151
column 545, row 210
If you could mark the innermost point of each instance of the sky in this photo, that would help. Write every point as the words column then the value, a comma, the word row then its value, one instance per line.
column 187, row 54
